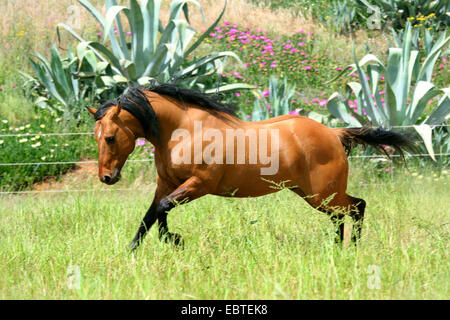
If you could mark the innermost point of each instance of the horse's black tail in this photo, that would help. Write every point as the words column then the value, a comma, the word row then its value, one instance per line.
column 376, row 137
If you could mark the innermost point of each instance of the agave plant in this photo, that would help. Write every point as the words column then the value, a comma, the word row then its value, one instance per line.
column 56, row 79
column 155, row 51
column 274, row 102
column 407, row 94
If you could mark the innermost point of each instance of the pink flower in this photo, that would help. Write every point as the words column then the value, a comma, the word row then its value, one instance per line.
column 141, row 142
column 237, row 94
column 266, row 93
column 323, row 103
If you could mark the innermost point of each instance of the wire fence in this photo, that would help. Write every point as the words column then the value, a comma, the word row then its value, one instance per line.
column 50, row 163
column 92, row 133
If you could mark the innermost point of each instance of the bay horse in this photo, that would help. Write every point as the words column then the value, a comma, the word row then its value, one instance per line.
column 312, row 158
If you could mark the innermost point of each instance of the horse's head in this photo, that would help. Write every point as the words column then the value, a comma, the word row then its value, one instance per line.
column 115, row 131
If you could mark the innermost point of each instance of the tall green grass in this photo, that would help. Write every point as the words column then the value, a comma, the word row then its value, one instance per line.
column 273, row 247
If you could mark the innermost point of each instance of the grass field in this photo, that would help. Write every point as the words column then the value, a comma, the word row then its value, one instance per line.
column 273, row 247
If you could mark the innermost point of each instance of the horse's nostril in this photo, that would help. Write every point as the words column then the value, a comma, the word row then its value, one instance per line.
column 107, row 179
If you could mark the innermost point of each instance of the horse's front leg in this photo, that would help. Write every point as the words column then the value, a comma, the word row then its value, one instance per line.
column 151, row 215
column 191, row 189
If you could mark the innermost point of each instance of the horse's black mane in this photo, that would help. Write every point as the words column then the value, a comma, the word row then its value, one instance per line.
column 136, row 102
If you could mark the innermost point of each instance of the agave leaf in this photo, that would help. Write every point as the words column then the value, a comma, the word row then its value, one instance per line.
column 423, row 92
column 177, row 6
column 144, row 81
column 441, row 113
column 229, row 87
column 58, row 72
column 426, row 70
column 151, row 24
column 203, row 61
column 98, row 47
column 97, row 15
column 369, row 105
column 425, row 133
column 339, row 109
column 123, row 42
column 45, row 80
column 156, row 62
column 137, row 25
column 129, row 69
column 111, row 16
column 205, row 34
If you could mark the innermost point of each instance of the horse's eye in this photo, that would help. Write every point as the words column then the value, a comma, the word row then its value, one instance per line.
column 109, row 139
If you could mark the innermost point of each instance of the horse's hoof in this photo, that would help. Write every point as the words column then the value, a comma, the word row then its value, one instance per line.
column 132, row 246
column 175, row 239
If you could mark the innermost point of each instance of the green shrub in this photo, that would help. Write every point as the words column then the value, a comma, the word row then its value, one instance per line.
column 27, row 143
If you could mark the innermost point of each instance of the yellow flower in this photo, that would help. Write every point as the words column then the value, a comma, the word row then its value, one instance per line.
column 43, row 158
column 37, row 144
column 23, row 140
column 28, row 126
column 42, row 126
column 1, row 141
column 5, row 121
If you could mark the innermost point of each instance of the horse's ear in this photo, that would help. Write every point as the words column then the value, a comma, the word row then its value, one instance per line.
column 118, row 108
column 91, row 110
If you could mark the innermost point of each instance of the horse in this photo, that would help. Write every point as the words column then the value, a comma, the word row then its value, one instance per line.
column 311, row 158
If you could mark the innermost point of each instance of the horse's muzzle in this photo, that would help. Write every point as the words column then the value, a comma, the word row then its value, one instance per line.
column 107, row 179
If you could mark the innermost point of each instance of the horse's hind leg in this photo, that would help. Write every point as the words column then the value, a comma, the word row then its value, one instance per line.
column 337, row 206
column 358, row 218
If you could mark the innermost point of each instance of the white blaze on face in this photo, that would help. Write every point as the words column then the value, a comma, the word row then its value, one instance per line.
column 99, row 131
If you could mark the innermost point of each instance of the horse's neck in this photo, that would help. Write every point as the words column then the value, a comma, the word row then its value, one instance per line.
column 171, row 115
